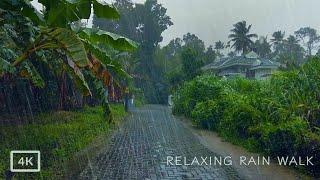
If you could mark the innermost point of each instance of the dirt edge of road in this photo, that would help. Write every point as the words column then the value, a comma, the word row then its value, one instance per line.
column 216, row 144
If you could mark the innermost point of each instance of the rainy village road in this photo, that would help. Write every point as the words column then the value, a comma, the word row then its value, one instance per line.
column 139, row 150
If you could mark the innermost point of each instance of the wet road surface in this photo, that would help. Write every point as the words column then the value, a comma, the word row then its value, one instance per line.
column 140, row 148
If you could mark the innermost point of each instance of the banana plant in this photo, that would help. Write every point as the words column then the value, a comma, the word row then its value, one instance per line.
column 56, row 33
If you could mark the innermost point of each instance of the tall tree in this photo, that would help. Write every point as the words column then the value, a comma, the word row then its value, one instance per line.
column 219, row 46
column 262, row 47
column 143, row 23
column 154, row 21
column 190, row 63
column 309, row 38
column 194, row 42
column 210, row 55
column 241, row 37
column 293, row 53
column 277, row 41
column 173, row 48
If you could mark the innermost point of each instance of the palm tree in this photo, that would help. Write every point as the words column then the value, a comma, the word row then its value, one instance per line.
column 241, row 37
column 293, row 52
column 218, row 46
column 278, row 37
column 278, row 41
column 262, row 47
column 292, row 40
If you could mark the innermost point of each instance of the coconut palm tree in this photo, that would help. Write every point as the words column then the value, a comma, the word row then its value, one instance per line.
column 218, row 46
column 278, row 41
column 278, row 37
column 241, row 37
column 262, row 47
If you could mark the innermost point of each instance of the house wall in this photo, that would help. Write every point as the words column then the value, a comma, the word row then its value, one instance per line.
column 243, row 71
column 231, row 72
column 234, row 71
column 261, row 74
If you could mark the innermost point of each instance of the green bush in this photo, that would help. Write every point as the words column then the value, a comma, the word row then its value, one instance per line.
column 239, row 117
column 311, row 146
column 202, row 88
column 205, row 114
column 283, row 139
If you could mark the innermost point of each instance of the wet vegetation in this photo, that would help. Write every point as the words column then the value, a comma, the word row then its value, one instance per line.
column 279, row 116
column 58, row 77
column 59, row 135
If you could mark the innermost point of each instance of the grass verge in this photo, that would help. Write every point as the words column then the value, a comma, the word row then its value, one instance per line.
column 58, row 136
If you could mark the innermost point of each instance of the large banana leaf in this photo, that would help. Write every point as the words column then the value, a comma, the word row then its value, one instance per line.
column 96, row 36
column 29, row 11
column 78, row 77
column 68, row 41
column 100, row 71
column 62, row 12
column 5, row 67
column 24, row 7
column 104, row 10
column 105, row 59
column 30, row 72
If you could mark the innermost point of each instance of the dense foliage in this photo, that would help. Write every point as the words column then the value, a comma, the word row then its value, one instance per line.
column 279, row 117
column 49, row 61
column 47, row 57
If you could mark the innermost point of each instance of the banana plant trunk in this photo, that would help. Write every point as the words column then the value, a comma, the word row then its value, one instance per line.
column 63, row 92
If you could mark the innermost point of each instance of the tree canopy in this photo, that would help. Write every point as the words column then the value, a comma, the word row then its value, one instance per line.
column 241, row 37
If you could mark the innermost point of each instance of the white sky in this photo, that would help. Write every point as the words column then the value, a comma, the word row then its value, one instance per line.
column 212, row 20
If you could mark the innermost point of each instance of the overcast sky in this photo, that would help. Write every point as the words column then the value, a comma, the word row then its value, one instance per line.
column 211, row 20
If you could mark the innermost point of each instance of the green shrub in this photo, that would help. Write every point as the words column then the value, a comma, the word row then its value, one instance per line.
column 205, row 114
column 311, row 147
column 239, row 117
column 283, row 139
column 202, row 88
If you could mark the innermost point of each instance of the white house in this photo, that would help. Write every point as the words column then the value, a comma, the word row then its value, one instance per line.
column 249, row 66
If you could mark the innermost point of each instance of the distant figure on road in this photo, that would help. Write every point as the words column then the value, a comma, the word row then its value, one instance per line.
column 170, row 103
column 131, row 101
column 126, row 99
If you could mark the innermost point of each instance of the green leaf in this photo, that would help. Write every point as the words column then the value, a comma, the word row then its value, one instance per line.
column 62, row 12
column 104, row 10
column 6, row 67
column 68, row 41
column 78, row 77
column 29, row 11
column 33, row 75
column 96, row 36
column 106, row 60
column 25, row 8
column 99, row 53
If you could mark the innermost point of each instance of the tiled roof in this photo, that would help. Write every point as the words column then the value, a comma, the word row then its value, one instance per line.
column 253, row 61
